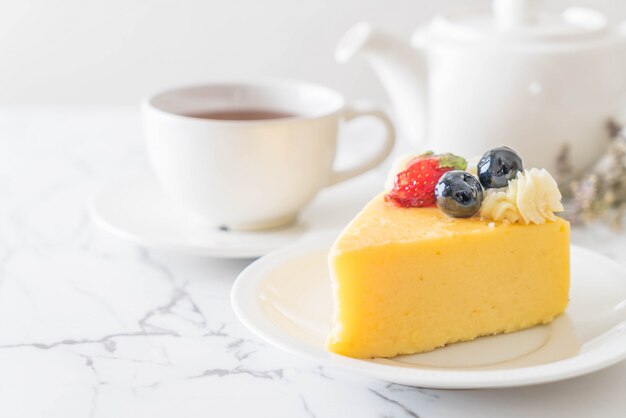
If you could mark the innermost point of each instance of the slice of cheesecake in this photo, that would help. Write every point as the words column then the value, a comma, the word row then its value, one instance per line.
column 411, row 280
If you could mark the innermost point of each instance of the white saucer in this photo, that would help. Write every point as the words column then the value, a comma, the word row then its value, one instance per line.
column 138, row 211
column 285, row 298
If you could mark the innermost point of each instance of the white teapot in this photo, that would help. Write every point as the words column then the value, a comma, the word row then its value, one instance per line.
column 545, row 85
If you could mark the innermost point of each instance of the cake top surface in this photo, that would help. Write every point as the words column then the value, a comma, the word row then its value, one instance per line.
column 381, row 222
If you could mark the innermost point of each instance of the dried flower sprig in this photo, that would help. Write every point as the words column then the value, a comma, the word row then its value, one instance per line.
column 600, row 194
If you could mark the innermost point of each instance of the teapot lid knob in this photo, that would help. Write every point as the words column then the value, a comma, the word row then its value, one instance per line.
column 515, row 13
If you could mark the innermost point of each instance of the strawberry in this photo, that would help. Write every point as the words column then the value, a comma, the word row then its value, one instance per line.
column 415, row 186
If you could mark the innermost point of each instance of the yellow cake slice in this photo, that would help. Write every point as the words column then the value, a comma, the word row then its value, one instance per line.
column 411, row 280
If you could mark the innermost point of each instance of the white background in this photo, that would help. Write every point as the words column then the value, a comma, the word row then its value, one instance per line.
column 116, row 51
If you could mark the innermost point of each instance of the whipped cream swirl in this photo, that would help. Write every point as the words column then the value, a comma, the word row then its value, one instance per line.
column 532, row 197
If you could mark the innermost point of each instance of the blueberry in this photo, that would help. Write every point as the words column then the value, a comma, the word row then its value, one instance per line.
column 459, row 194
column 498, row 166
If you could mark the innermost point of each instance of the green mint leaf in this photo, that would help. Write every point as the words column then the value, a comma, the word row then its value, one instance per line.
column 452, row 161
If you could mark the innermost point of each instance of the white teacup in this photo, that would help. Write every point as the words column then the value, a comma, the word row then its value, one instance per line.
column 250, row 174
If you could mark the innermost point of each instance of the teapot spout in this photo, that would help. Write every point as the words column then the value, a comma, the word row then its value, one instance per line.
column 400, row 68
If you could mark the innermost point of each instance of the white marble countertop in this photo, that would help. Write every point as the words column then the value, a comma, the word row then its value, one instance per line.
column 91, row 326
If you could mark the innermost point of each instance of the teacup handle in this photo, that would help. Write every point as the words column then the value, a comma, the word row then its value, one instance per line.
column 338, row 176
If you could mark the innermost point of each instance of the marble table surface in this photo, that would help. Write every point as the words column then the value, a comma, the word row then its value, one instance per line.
column 91, row 326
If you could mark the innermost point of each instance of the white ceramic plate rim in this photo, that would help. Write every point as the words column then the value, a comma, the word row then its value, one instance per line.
column 245, row 302
column 207, row 251
column 319, row 215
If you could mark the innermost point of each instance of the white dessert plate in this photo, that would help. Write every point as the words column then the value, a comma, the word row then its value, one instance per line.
column 138, row 211
column 285, row 298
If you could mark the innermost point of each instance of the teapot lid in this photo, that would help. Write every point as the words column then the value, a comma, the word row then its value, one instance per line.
column 520, row 20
